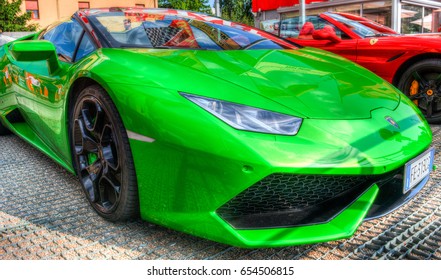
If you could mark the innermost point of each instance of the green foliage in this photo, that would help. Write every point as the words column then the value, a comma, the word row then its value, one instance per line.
column 237, row 10
column 12, row 19
column 189, row 5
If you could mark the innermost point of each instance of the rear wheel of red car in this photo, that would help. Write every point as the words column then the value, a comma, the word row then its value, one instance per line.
column 102, row 155
column 422, row 84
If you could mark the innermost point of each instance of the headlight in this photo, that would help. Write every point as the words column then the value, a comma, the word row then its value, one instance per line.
column 248, row 118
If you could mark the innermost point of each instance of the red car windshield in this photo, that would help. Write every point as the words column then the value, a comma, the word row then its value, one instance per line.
column 369, row 23
column 146, row 28
column 356, row 27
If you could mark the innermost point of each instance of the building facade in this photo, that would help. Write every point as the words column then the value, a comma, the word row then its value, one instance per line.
column 45, row 12
column 404, row 16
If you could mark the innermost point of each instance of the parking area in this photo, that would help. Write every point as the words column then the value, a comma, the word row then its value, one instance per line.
column 44, row 215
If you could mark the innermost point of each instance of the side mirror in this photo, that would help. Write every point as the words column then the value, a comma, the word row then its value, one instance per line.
column 326, row 33
column 36, row 50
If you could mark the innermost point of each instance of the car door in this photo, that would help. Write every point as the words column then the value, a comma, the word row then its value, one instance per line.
column 41, row 94
column 302, row 34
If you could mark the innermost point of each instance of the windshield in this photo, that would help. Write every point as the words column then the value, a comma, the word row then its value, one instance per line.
column 358, row 28
column 157, row 29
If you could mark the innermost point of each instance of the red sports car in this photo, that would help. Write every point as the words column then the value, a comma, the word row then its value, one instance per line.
column 410, row 62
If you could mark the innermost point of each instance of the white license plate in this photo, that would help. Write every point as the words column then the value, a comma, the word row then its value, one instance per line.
column 417, row 169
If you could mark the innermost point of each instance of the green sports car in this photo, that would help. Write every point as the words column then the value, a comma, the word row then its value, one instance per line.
column 214, row 128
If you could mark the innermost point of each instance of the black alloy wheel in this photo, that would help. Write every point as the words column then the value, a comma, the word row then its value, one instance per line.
column 422, row 84
column 102, row 155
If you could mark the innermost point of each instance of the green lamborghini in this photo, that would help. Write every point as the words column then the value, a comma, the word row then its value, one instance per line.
column 214, row 128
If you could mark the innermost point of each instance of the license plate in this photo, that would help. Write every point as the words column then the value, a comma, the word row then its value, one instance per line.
column 417, row 169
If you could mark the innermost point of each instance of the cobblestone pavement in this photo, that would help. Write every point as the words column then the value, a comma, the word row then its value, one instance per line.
column 44, row 215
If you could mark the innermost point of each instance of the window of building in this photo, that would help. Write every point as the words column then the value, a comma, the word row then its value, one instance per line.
column 427, row 24
column 419, row 19
column 83, row 5
column 354, row 9
column 32, row 7
column 436, row 20
column 140, row 5
column 411, row 19
column 379, row 11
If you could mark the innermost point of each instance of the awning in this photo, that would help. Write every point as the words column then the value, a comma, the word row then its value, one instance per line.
column 265, row 5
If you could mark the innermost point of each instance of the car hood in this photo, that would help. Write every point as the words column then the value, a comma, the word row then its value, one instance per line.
column 310, row 82
column 424, row 41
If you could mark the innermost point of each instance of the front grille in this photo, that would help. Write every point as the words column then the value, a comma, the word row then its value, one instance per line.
column 287, row 200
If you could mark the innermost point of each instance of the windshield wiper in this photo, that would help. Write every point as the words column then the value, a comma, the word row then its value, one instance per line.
column 378, row 35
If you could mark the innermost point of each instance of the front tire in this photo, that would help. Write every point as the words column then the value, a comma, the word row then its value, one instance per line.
column 421, row 82
column 101, row 155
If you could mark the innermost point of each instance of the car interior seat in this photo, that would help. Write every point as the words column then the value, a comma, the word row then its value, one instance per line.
column 306, row 31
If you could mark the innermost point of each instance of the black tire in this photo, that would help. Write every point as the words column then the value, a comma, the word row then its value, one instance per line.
column 421, row 82
column 101, row 155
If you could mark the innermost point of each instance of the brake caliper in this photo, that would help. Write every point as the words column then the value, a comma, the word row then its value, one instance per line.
column 414, row 90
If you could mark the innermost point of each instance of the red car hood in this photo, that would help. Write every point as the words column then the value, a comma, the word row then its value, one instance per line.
column 415, row 41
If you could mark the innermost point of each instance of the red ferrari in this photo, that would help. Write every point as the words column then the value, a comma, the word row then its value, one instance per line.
column 410, row 62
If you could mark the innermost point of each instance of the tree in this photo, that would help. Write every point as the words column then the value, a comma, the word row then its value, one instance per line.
column 12, row 19
column 237, row 10
column 189, row 5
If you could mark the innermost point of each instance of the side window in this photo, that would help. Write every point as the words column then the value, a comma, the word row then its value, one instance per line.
column 292, row 28
column 65, row 37
column 289, row 27
column 314, row 23
column 85, row 48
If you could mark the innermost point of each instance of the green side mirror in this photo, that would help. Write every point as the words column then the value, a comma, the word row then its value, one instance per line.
column 36, row 50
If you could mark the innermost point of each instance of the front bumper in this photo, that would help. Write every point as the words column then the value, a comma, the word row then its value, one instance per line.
column 191, row 198
column 287, row 200
column 377, row 200
column 191, row 170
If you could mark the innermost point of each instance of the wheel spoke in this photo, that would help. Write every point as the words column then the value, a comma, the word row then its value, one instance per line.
column 110, row 157
column 110, row 152
column 87, row 143
column 109, row 190
column 94, row 168
column 417, row 96
column 90, row 177
column 89, row 186
column 94, row 118
column 107, row 135
column 429, row 109
column 418, row 77
column 83, row 162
